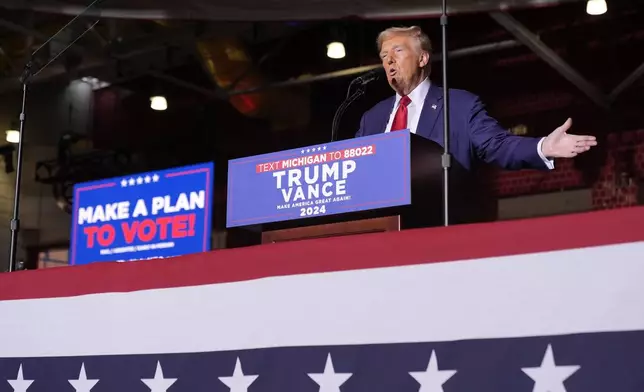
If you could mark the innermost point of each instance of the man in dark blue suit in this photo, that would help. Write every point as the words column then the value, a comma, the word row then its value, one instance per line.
column 474, row 135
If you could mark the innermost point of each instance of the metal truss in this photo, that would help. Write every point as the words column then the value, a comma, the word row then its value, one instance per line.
column 627, row 82
column 532, row 41
column 548, row 55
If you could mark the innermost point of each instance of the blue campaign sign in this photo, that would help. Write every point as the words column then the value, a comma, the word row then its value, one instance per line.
column 340, row 177
column 143, row 216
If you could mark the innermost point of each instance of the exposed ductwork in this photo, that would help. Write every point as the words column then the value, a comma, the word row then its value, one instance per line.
column 229, row 65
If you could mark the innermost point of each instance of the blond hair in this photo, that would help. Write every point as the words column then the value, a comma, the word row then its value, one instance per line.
column 422, row 39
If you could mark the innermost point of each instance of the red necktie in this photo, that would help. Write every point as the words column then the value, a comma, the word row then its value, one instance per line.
column 400, row 119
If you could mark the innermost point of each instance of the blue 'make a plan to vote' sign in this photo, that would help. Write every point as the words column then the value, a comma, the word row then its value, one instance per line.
column 144, row 216
column 346, row 176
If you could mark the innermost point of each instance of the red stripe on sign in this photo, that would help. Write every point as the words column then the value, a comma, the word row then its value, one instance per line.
column 411, row 247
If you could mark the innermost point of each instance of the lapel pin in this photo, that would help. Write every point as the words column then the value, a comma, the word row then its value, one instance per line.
column 434, row 106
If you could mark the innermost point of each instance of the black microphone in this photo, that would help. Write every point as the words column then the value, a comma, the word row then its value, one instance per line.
column 361, row 81
column 369, row 76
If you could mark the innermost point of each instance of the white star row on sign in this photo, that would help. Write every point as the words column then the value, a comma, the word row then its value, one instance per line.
column 139, row 180
column 547, row 378
column 314, row 149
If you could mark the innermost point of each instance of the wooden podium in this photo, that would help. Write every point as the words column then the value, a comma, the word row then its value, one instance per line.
column 466, row 194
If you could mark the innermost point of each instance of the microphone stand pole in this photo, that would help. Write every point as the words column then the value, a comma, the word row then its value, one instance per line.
column 446, row 161
column 343, row 107
column 24, row 79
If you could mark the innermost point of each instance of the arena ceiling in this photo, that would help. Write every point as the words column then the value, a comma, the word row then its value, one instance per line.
column 271, row 10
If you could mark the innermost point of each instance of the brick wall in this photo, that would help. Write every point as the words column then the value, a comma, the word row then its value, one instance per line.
column 621, row 178
column 619, row 184
column 527, row 182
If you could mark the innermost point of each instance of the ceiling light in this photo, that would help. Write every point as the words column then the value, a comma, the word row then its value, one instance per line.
column 158, row 103
column 13, row 136
column 596, row 7
column 335, row 50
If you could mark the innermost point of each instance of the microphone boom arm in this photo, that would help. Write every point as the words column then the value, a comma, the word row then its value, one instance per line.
column 343, row 107
column 361, row 81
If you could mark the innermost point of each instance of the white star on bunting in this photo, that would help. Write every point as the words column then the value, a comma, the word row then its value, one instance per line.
column 139, row 181
column 82, row 384
column 20, row 384
column 124, row 183
column 131, row 182
column 549, row 377
column 148, row 179
column 329, row 381
column 155, row 178
column 238, row 382
column 432, row 379
column 159, row 383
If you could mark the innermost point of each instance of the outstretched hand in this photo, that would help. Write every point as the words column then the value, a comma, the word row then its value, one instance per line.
column 559, row 144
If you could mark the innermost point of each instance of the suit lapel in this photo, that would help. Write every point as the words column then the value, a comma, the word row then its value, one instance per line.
column 385, row 114
column 432, row 108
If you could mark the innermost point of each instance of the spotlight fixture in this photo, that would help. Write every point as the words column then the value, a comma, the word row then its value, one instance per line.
column 596, row 7
column 335, row 50
column 158, row 102
column 12, row 134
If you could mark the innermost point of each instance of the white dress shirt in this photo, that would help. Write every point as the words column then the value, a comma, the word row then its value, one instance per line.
column 415, row 108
